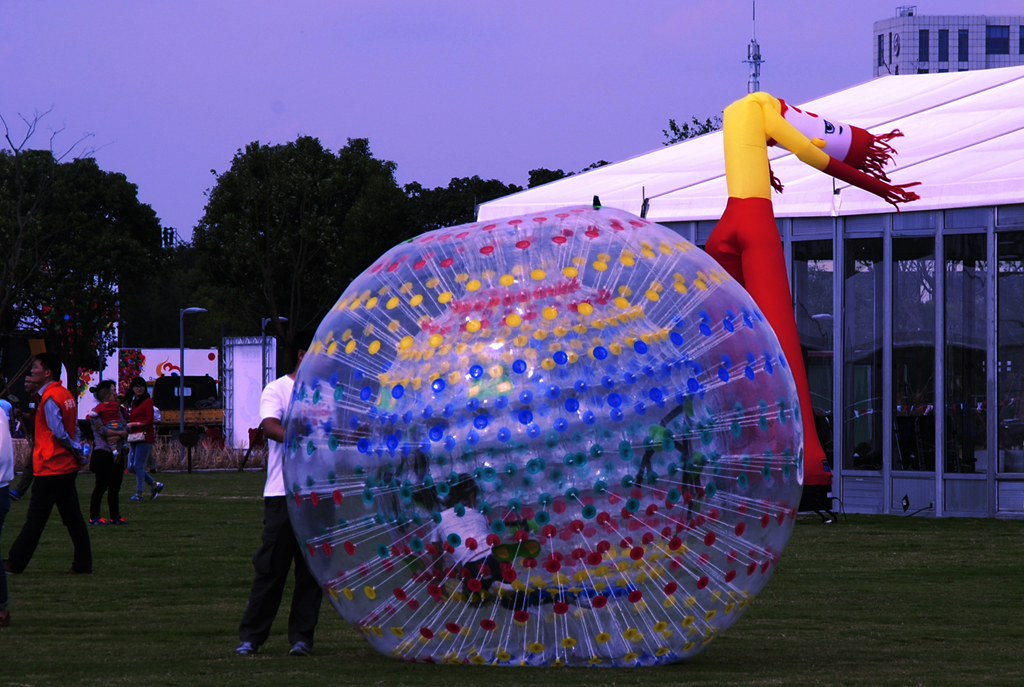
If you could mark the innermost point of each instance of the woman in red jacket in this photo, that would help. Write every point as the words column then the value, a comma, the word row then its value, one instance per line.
column 140, row 438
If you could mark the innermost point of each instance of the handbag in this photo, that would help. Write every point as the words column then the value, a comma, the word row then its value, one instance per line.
column 136, row 437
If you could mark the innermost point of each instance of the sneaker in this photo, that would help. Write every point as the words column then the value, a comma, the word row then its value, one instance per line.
column 247, row 649
column 15, row 496
column 136, row 497
column 300, row 649
column 119, row 521
column 157, row 488
column 97, row 521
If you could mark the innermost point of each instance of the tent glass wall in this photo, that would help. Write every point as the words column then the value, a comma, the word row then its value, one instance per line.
column 862, row 354
column 913, row 353
column 1010, row 351
column 966, row 388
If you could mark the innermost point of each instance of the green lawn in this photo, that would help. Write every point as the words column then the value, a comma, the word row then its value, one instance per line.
column 872, row 601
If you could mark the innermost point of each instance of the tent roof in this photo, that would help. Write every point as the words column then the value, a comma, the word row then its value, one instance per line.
column 964, row 142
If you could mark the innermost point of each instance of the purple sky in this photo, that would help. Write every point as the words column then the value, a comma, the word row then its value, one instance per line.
column 171, row 89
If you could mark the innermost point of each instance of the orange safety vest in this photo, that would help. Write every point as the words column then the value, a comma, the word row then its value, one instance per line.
column 49, row 457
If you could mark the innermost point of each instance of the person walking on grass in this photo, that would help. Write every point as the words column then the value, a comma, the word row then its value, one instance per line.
column 56, row 460
column 109, row 428
column 140, row 438
column 6, row 475
column 274, row 558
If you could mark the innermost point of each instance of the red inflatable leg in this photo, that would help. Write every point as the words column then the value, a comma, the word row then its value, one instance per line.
column 746, row 243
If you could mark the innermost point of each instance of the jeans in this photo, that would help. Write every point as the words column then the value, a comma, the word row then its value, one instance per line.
column 49, row 491
column 137, row 457
column 5, row 505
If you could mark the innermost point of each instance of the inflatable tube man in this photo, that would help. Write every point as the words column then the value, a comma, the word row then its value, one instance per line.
column 746, row 240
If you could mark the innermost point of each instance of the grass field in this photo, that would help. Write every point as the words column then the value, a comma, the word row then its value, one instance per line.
column 872, row 601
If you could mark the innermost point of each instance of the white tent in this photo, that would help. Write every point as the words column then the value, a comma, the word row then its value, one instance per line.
column 964, row 142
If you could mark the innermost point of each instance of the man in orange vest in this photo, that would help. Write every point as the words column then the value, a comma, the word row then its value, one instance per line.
column 56, row 459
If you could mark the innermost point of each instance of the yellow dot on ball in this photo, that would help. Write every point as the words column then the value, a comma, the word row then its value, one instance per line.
column 585, row 308
column 507, row 280
column 393, row 303
column 621, row 303
column 350, row 346
column 547, row 364
column 405, row 343
column 537, row 275
column 570, row 272
column 416, row 300
column 549, row 313
column 436, row 340
column 374, row 347
column 600, row 265
column 473, row 326
column 473, row 285
column 370, row 304
column 444, row 297
column 652, row 295
column 513, row 320
column 332, row 349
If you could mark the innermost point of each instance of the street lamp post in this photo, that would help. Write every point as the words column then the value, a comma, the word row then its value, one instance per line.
column 181, row 374
column 263, row 347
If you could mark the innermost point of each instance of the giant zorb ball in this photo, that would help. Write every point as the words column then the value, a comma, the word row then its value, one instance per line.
column 557, row 439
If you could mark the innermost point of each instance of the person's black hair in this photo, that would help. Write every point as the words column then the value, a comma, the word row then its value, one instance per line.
column 50, row 361
column 130, row 399
column 96, row 390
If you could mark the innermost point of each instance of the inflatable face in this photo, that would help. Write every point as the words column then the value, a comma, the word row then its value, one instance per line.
column 557, row 439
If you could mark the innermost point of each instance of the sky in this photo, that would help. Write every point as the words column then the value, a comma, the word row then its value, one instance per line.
column 168, row 91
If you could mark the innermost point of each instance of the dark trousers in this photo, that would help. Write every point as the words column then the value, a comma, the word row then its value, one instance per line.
column 272, row 563
column 109, row 474
column 47, row 492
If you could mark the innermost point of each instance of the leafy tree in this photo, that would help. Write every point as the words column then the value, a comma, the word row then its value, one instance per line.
column 692, row 129
column 454, row 204
column 107, row 241
column 541, row 175
column 288, row 226
column 75, row 237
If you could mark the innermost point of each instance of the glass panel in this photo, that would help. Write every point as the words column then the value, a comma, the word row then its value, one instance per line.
column 862, row 351
column 913, row 353
column 1010, row 350
column 812, row 290
column 922, row 45
column 966, row 322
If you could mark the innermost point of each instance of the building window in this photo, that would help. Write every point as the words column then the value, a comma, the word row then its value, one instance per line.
column 1020, row 48
column 922, row 70
column 922, row 45
column 997, row 40
column 881, row 50
column 961, row 45
column 943, row 45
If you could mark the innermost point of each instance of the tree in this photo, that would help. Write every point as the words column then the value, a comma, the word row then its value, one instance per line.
column 106, row 243
column 454, row 204
column 288, row 226
column 541, row 175
column 693, row 129
column 75, row 238
column 27, row 177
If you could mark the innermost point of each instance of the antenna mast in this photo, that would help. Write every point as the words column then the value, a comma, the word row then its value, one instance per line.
column 754, row 54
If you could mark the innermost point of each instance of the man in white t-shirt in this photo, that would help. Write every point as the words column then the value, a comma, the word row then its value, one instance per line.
column 274, row 558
